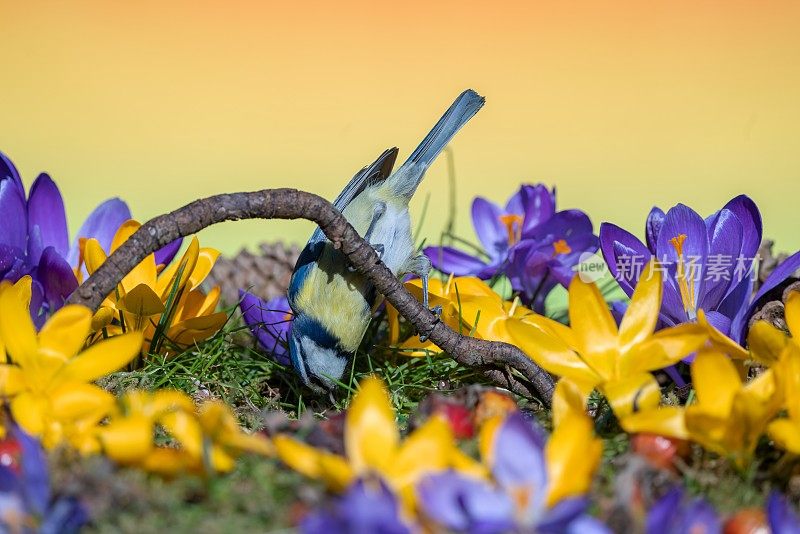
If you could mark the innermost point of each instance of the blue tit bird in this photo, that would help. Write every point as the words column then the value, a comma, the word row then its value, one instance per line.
column 332, row 303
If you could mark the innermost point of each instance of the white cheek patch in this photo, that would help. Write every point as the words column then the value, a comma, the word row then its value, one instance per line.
column 325, row 364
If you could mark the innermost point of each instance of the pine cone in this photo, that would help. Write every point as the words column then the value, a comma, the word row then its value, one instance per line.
column 266, row 275
column 767, row 260
column 770, row 307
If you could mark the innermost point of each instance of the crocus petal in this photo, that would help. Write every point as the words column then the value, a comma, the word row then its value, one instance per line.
column 671, row 514
column 102, row 358
column 12, row 260
column 682, row 221
column 141, row 301
column 631, row 394
column 724, row 268
column 665, row 421
column 586, row 524
column 562, row 516
column 564, row 225
column 716, row 382
column 490, row 230
column 71, row 401
column 9, row 172
column 30, row 412
column 313, row 463
column 666, row 347
column 168, row 278
column 12, row 380
column 371, row 436
column 624, row 254
column 594, row 326
column 16, row 329
column 655, row 220
column 750, row 218
column 269, row 323
column 538, row 205
column 517, row 456
column 185, row 428
column 573, row 454
column 46, row 211
column 782, row 519
column 641, row 316
column 165, row 254
column 65, row 332
column 128, row 439
column 94, row 255
column 736, row 306
column 206, row 258
column 101, row 225
column 453, row 261
column 552, row 354
column 766, row 343
column 14, row 230
column 368, row 506
column 426, row 450
column 567, row 399
column 34, row 472
column 786, row 434
column 713, row 322
column 793, row 313
column 57, row 278
column 463, row 504
column 786, row 269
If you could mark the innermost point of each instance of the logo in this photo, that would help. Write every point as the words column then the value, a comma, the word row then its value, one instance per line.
column 591, row 267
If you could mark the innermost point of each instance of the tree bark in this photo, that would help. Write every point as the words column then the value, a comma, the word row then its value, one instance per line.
column 505, row 364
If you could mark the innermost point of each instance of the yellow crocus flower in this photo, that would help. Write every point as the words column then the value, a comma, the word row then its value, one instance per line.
column 142, row 296
column 45, row 376
column 773, row 347
column 451, row 296
column 373, row 447
column 729, row 415
column 593, row 353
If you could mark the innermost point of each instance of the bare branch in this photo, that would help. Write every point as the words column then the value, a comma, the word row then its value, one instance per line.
column 496, row 359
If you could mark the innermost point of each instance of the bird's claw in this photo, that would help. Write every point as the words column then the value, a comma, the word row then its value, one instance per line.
column 437, row 311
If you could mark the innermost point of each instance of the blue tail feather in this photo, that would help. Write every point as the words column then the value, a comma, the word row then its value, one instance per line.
column 463, row 109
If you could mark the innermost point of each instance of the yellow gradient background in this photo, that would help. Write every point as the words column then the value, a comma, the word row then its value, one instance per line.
column 621, row 105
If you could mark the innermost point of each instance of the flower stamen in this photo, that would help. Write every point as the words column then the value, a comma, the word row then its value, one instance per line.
column 513, row 224
column 685, row 278
column 561, row 247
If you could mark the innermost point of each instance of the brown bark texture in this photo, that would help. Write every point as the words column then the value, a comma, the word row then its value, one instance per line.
column 504, row 364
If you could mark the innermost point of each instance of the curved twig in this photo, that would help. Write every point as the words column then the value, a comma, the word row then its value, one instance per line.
column 497, row 360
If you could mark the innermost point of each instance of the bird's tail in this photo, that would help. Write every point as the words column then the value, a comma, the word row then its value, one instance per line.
column 406, row 179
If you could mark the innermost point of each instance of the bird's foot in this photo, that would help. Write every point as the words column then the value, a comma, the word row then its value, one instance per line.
column 437, row 311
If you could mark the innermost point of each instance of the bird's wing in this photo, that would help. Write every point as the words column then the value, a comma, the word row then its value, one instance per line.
column 376, row 172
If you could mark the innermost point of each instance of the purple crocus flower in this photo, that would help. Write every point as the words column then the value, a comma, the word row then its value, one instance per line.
column 780, row 515
column 269, row 322
column 709, row 263
column 673, row 514
column 527, row 240
column 517, row 499
column 26, row 495
column 368, row 506
column 34, row 239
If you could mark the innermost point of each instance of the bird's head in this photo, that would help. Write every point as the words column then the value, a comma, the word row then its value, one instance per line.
column 316, row 354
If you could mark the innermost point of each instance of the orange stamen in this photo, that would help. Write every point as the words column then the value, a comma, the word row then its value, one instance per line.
column 561, row 247
column 685, row 281
column 513, row 224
